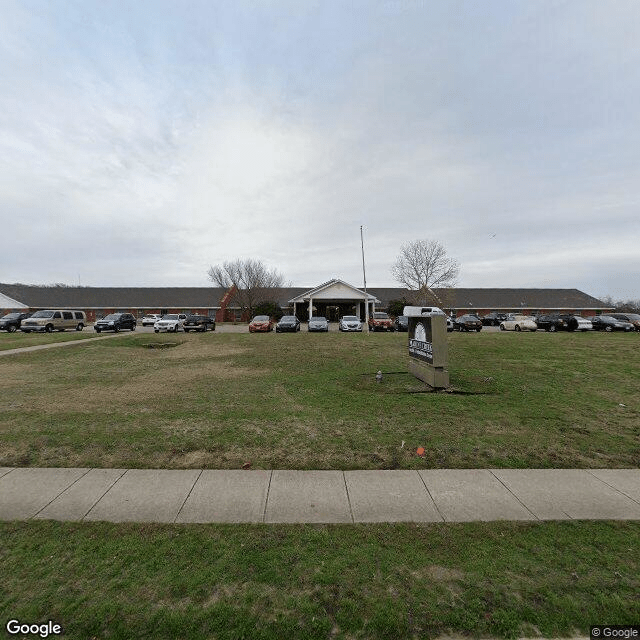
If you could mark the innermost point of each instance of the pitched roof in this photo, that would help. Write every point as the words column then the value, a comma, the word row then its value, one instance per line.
column 327, row 285
column 34, row 296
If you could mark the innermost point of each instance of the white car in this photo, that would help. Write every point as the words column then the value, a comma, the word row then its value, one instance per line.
column 518, row 323
column 350, row 323
column 578, row 323
column 150, row 319
column 170, row 322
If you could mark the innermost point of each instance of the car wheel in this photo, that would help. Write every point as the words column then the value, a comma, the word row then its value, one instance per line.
column 502, row 328
column 133, row 327
column 98, row 330
column 156, row 330
column 49, row 328
column 609, row 329
column 552, row 328
column 186, row 330
column 79, row 326
column 11, row 328
column 518, row 328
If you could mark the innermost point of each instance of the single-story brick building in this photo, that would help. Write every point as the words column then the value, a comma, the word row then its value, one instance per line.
column 331, row 299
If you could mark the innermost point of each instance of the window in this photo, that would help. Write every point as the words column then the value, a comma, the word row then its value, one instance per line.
column 57, row 315
column 78, row 315
column 67, row 315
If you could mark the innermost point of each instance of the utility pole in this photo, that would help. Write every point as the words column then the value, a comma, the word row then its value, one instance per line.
column 364, row 274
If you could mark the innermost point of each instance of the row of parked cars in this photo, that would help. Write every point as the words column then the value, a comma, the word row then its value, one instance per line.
column 62, row 319
column 550, row 322
column 378, row 322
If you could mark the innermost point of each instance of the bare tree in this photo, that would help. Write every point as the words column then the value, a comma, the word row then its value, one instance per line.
column 423, row 265
column 252, row 281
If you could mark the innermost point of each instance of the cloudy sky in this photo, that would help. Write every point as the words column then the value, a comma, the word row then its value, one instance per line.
column 142, row 142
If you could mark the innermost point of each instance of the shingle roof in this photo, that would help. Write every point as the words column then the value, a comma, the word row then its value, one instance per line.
column 34, row 296
column 114, row 297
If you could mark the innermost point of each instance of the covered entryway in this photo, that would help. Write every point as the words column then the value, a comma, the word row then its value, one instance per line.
column 333, row 300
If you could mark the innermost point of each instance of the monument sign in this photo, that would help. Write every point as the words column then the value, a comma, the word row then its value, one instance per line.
column 428, row 345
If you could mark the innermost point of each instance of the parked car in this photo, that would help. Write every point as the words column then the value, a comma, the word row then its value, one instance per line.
column 318, row 323
column 633, row 318
column 150, row 319
column 609, row 323
column 199, row 323
column 467, row 322
column 288, row 323
column 11, row 321
column 553, row 322
column 260, row 324
column 578, row 323
column 170, row 322
column 401, row 323
column 54, row 320
column 380, row 321
column 518, row 322
column 493, row 319
column 115, row 322
column 449, row 323
column 350, row 323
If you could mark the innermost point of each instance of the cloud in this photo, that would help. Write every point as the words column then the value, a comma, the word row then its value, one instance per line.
column 140, row 146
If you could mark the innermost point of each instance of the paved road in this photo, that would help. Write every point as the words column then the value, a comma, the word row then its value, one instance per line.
column 238, row 496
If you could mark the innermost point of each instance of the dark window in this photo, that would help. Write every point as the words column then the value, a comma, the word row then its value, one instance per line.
column 78, row 315
column 57, row 315
column 67, row 315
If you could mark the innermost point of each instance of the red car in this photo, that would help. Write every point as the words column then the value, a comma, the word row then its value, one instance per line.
column 260, row 323
column 381, row 322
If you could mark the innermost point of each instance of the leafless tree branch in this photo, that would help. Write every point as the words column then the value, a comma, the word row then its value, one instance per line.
column 423, row 265
column 254, row 282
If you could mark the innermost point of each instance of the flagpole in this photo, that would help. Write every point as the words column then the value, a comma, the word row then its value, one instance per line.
column 364, row 274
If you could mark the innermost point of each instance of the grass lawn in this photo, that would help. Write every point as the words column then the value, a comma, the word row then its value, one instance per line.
column 18, row 339
column 103, row 580
column 305, row 401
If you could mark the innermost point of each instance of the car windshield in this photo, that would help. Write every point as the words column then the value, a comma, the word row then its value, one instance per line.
column 351, row 319
column 170, row 316
column 288, row 319
column 43, row 314
column 380, row 316
column 112, row 316
column 10, row 316
column 402, row 318
column 317, row 319
column 261, row 319
column 608, row 318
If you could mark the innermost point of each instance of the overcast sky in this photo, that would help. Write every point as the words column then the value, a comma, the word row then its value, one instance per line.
column 142, row 142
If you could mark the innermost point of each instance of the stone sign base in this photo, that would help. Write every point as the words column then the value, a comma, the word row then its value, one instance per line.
column 436, row 377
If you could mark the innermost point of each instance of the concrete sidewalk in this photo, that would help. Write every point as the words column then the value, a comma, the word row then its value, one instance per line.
column 439, row 495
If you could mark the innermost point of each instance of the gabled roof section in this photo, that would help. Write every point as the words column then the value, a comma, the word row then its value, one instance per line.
column 9, row 303
column 331, row 283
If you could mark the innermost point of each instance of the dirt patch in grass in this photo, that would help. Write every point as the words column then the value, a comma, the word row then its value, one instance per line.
column 121, row 391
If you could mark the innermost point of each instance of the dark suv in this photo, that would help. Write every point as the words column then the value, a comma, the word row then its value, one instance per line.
column 115, row 322
column 12, row 321
column 199, row 323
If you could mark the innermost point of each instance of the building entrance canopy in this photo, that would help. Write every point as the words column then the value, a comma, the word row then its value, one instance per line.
column 335, row 299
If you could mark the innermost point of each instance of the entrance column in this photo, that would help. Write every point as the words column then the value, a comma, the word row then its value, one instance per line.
column 310, row 307
column 358, row 310
column 294, row 308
